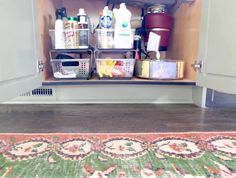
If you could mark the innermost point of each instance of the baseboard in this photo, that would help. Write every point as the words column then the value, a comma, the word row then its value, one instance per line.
column 111, row 94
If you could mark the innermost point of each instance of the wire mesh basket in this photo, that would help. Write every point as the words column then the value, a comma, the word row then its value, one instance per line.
column 71, row 68
column 115, row 68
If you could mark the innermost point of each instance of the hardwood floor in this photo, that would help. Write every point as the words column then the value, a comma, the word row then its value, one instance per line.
column 114, row 118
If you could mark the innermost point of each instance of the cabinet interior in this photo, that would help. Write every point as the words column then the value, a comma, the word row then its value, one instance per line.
column 184, row 37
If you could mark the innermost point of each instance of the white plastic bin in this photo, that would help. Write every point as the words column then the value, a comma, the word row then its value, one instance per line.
column 112, row 39
column 70, row 39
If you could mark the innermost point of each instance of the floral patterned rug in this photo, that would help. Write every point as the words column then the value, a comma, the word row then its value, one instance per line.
column 147, row 155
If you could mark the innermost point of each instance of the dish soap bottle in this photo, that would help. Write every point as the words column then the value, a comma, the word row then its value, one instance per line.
column 123, row 33
column 59, row 31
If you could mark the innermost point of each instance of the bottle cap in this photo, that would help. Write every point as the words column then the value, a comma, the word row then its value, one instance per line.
column 122, row 5
column 72, row 18
column 58, row 14
column 63, row 12
column 81, row 11
column 106, row 8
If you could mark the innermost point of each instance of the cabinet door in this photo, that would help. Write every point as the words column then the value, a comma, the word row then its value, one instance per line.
column 217, row 49
column 18, row 48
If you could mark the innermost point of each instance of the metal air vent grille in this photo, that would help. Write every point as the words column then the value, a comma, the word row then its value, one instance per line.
column 39, row 92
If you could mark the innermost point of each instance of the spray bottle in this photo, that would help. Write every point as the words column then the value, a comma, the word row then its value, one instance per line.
column 83, row 26
column 59, row 31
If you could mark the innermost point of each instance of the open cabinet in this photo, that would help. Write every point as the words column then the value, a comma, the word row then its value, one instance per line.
column 183, row 42
column 203, row 35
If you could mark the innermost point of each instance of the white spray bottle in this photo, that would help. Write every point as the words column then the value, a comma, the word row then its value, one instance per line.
column 59, row 31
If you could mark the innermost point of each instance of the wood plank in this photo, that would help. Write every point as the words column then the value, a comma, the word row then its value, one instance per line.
column 46, row 20
column 133, row 81
column 185, row 36
column 118, row 118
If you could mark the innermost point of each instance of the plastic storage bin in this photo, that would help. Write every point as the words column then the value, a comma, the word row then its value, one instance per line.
column 164, row 69
column 70, row 39
column 111, row 39
column 115, row 68
column 71, row 68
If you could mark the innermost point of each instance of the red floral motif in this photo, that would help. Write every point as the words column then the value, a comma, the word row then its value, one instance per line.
column 212, row 170
column 28, row 149
column 205, row 146
column 228, row 146
column 74, row 148
column 177, row 147
column 147, row 173
column 224, row 144
column 160, row 172
column 121, row 148
column 121, row 175
column 97, row 146
column 89, row 169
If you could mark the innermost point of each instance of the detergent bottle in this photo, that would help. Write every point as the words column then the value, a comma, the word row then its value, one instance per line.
column 106, row 18
column 106, row 32
column 123, row 33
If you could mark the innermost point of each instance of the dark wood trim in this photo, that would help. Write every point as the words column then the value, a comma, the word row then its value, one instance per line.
column 134, row 81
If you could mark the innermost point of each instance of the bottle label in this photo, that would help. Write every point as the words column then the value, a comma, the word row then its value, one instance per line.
column 106, row 22
column 82, row 19
column 124, row 24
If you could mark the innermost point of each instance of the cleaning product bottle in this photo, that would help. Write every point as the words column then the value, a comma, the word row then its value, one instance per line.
column 106, row 39
column 137, row 47
column 59, row 31
column 83, row 26
column 123, row 33
column 64, row 16
column 106, row 18
column 114, row 11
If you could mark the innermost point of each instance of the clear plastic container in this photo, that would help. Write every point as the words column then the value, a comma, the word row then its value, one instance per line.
column 71, row 38
column 71, row 68
column 111, row 39
column 115, row 68
column 160, row 70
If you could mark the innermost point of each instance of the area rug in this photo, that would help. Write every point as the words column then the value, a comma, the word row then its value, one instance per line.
column 147, row 155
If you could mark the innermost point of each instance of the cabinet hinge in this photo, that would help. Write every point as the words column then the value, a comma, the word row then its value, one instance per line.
column 41, row 66
column 197, row 66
